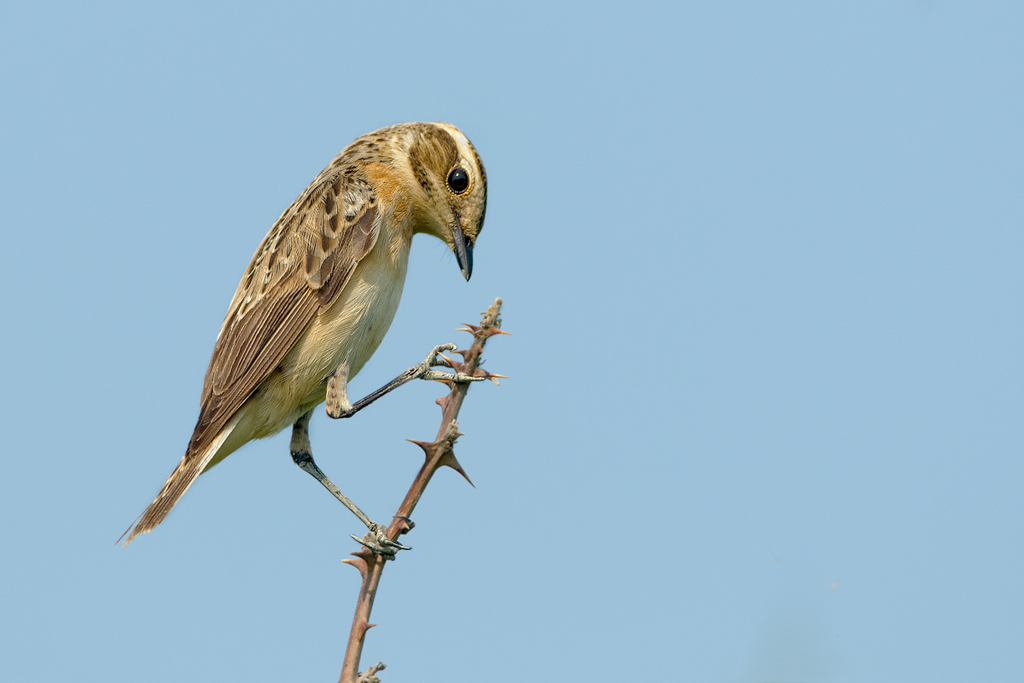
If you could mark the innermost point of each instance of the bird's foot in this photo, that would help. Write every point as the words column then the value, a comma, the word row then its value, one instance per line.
column 435, row 359
column 380, row 543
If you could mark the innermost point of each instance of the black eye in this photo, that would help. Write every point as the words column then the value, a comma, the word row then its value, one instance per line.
column 458, row 180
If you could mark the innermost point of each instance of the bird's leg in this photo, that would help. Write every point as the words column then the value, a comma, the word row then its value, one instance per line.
column 340, row 407
column 302, row 454
column 337, row 393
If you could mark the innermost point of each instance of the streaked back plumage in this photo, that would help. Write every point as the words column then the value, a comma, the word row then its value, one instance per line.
column 381, row 188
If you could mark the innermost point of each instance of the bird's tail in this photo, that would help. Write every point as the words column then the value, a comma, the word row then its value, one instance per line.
column 187, row 471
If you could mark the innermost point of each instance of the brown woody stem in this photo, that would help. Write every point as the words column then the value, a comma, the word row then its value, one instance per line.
column 439, row 453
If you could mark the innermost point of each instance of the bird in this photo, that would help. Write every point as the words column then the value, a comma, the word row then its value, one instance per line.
column 320, row 293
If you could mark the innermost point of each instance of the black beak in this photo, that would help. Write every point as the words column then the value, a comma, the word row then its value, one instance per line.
column 463, row 250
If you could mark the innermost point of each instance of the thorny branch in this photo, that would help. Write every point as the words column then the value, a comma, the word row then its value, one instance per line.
column 439, row 454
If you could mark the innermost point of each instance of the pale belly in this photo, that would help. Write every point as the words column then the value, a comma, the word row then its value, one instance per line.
column 351, row 330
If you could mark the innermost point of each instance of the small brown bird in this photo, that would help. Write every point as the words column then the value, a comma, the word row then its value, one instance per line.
column 322, row 290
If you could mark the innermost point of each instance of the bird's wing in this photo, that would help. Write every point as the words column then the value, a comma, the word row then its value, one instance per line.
column 299, row 270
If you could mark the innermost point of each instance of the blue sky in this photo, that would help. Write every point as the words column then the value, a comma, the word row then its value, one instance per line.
column 762, row 267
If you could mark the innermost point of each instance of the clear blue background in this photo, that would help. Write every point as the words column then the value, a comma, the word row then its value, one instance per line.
column 763, row 267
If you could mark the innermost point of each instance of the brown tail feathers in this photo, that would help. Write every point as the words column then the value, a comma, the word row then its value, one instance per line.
column 187, row 471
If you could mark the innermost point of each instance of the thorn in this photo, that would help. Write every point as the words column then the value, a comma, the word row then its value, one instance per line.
column 463, row 352
column 425, row 445
column 368, row 627
column 463, row 329
column 364, row 554
column 449, row 460
column 472, row 329
column 497, row 330
column 359, row 563
column 479, row 372
column 457, row 367
column 443, row 401
column 493, row 378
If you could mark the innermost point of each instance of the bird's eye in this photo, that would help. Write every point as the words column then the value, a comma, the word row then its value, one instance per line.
column 458, row 180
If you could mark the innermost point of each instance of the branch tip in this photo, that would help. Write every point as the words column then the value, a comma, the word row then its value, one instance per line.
column 439, row 453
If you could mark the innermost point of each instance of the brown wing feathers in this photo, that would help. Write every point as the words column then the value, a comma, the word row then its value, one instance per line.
column 299, row 270
column 257, row 340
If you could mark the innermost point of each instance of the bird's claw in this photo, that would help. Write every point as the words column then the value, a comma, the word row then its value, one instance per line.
column 432, row 360
column 459, row 377
column 435, row 359
column 384, row 546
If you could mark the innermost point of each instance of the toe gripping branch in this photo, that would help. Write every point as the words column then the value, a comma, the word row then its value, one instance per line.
column 337, row 401
column 439, row 453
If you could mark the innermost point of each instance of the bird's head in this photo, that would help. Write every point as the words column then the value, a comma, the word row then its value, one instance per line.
column 452, row 187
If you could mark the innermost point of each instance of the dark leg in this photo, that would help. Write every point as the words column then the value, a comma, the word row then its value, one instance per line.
column 302, row 454
column 337, row 396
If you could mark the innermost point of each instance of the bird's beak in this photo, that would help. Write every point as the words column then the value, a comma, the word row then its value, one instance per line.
column 463, row 249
